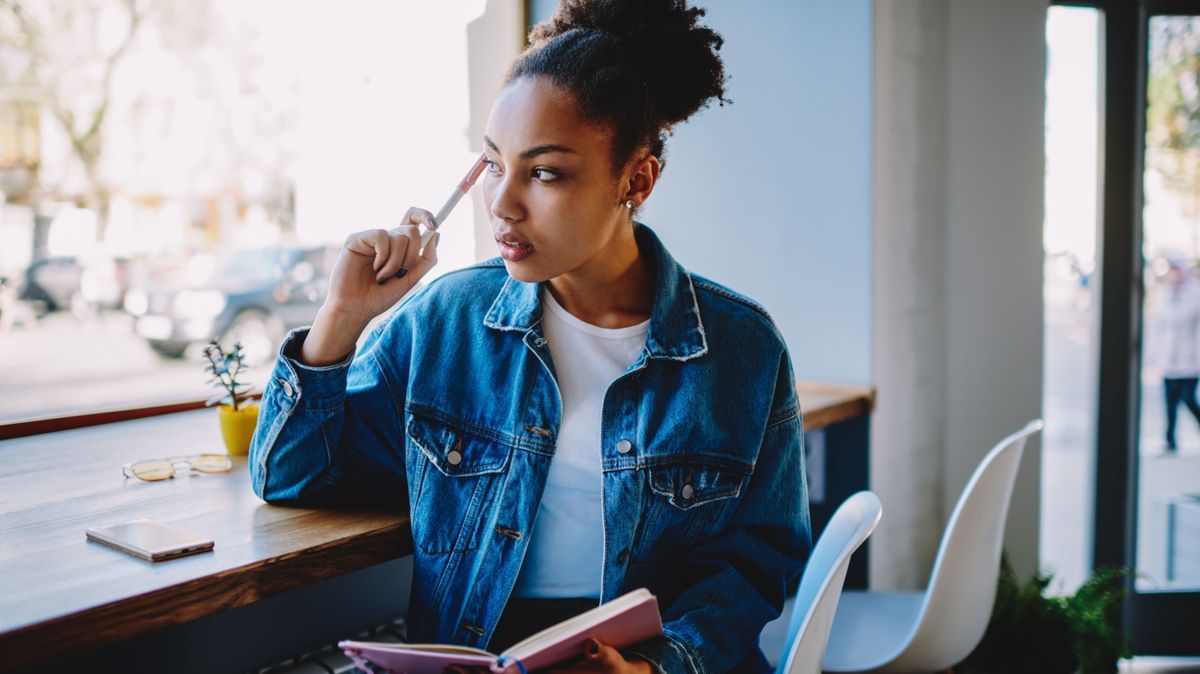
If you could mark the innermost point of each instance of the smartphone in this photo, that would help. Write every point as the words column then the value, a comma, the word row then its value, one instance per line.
column 150, row 540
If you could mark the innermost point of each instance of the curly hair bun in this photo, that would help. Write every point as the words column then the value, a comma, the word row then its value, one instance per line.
column 675, row 53
column 641, row 66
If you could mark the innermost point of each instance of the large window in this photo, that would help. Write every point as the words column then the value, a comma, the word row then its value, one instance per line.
column 185, row 171
column 1073, row 39
column 1167, row 551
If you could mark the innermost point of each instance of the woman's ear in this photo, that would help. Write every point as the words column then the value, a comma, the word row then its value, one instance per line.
column 641, row 182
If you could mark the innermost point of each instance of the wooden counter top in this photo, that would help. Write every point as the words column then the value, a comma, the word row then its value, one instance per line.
column 61, row 593
column 823, row 405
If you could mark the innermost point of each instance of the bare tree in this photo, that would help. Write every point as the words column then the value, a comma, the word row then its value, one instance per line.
column 70, row 51
column 1173, row 112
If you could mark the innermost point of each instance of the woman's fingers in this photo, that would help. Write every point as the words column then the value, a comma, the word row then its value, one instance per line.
column 604, row 657
column 398, row 253
column 418, row 260
column 372, row 243
column 383, row 248
column 415, row 217
column 427, row 258
column 419, row 216
column 413, row 252
column 404, row 242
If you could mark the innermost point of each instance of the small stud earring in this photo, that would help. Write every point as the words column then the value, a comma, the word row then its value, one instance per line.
column 629, row 204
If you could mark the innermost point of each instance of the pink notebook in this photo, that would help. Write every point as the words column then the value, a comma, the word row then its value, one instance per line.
column 629, row 619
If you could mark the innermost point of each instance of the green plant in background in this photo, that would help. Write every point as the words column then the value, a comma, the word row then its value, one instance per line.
column 1095, row 613
column 1030, row 632
column 223, row 369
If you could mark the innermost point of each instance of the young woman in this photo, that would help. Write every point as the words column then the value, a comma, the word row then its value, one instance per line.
column 581, row 416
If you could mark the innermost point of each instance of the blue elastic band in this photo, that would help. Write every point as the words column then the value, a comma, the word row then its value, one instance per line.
column 506, row 660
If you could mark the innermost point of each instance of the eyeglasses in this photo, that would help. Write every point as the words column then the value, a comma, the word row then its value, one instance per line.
column 161, row 469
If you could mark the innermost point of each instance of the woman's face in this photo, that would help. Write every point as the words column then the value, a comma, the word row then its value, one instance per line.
column 552, row 199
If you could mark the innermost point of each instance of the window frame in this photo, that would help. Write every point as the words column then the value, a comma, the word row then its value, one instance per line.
column 52, row 423
column 64, row 422
column 1157, row 622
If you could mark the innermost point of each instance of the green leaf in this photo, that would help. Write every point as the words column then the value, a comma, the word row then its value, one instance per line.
column 1030, row 632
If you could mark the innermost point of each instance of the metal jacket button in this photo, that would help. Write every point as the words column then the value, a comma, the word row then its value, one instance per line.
column 454, row 456
column 624, row 447
column 509, row 533
column 540, row 431
column 285, row 385
column 687, row 492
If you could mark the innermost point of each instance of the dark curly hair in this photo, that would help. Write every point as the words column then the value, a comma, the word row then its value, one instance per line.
column 640, row 66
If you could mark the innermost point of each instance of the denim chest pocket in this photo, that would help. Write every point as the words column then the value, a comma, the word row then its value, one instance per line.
column 691, row 497
column 458, row 474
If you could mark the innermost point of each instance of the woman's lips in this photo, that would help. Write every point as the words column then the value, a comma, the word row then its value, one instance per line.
column 513, row 248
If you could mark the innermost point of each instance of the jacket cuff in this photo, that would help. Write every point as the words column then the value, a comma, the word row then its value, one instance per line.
column 667, row 655
column 310, row 388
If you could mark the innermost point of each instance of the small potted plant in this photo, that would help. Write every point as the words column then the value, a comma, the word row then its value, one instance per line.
column 238, row 416
column 1039, row 634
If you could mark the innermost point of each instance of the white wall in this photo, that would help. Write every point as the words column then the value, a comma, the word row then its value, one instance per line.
column 909, row 307
column 772, row 195
column 994, row 206
column 958, row 229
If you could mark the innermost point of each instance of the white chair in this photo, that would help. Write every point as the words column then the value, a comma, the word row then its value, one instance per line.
column 923, row 632
column 817, row 597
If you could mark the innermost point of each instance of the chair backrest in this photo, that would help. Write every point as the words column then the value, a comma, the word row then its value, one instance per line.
column 962, row 587
column 821, row 584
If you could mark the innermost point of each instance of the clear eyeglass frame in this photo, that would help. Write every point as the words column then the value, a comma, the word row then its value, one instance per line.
column 153, row 470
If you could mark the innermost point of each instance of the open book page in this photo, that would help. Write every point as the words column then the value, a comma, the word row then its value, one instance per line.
column 624, row 621
column 418, row 658
column 432, row 648
column 629, row 619
column 555, row 632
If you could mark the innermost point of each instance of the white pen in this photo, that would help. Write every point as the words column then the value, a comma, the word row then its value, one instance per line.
column 462, row 188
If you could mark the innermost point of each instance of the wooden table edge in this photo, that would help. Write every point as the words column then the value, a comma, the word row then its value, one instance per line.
column 849, row 402
column 126, row 618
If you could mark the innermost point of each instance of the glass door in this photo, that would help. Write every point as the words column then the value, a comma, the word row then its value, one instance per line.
column 1147, row 471
column 1166, row 463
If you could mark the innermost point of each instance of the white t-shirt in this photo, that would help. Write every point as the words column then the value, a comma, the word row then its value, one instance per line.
column 566, row 548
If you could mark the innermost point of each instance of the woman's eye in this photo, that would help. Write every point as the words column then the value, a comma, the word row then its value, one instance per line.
column 545, row 175
column 492, row 167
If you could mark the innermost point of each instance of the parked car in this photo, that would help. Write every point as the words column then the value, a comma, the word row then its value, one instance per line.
column 66, row 282
column 51, row 282
column 251, row 296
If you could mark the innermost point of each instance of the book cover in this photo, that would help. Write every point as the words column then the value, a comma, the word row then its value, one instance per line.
column 629, row 619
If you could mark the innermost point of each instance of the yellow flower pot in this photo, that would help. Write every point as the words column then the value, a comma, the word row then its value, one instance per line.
column 238, row 427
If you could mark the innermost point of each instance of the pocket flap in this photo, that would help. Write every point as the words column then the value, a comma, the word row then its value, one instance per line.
column 453, row 450
column 692, row 480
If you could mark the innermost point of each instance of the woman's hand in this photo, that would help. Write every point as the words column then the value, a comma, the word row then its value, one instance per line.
column 600, row 658
column 364, row 283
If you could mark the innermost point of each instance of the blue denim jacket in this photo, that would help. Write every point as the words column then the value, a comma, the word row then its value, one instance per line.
column 452, row 401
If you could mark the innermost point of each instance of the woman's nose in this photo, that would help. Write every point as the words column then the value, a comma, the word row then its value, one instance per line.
column 503, row 201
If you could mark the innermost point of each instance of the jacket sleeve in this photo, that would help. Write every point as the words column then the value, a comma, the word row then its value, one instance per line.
column 334, row 433
column 737, row 581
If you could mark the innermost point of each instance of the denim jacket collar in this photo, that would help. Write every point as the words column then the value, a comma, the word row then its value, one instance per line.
column 675, row 332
